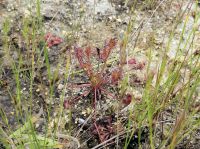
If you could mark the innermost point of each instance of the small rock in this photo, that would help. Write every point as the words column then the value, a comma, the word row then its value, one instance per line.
column 46, row 93
column 81, row 121
column 37, row 125
column 37, row 90
column 119, row 20
column 84, row 113
column 60, row 86
column 88, row 110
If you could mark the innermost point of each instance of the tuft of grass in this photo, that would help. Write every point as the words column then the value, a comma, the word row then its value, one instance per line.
column 161, row 97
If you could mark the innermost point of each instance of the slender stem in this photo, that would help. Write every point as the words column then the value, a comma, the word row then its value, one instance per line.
column 77, row 98
column 98, row 132
column 109, row 94
column 82, row 85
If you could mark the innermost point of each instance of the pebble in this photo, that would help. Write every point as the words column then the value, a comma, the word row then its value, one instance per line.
column 84, row 113
column 48, row 101
column 119, row 20
column 46, row 93
column 37, row 90
column 60, row 86
column 76, row 120
column 37, row 125
column 81, row 121
column 89, row 110
column 112, row 18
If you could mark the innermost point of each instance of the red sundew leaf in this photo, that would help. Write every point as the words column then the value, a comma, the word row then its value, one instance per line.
column 52, row 40
column 132, row 61
column 127, row 99
column 107, row 49
column 84, row 63
column 112, row 43
column 103, row 128
column 49, row 45
column 88, row 68
column 104, row 55
column 79, row 55
column 78, row 52
column 115, row 76
column 134, row 64
column 88, row 52
column 140, row 65
column 47, row 36
column 66, row 104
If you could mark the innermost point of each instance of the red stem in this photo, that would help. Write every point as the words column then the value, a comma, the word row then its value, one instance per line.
column 77, row 98
column 82, row 85
column 109, row 94
column 98, row 131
